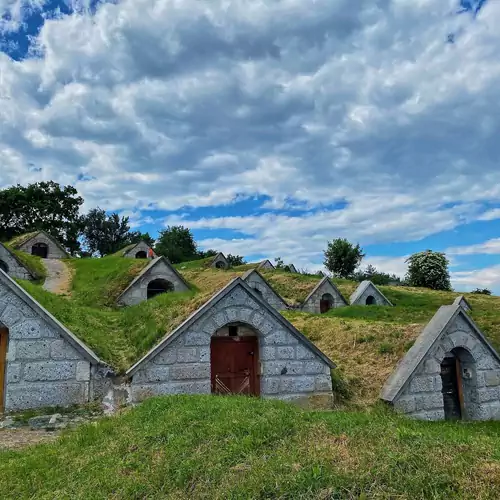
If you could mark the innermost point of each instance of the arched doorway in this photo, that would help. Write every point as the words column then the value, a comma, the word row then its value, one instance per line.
column 370, row 300
column 4, row 267
column 40, row 250
column 326, row 303
column 459, row 385
column 234, row 360
column 141, row 254
column 220, row 264
column 159, row 286
column 4, row 334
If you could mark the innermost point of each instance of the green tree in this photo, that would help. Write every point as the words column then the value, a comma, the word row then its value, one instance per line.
column 45, row 206
column 342, row 257
column 481, row 291
column 235, row 260
column 177, row 244
column 137, row 236
column 278, row 263
column 105, row 234
column 428, row 269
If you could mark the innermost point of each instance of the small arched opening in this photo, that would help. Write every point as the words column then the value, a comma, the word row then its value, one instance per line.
column 234, row 360
column 141, row 254
column 459, row 385
column 4, row 337
column 4, row 267
column 40, row 250
column 326, row 303
column 370, row 300
column 220, row 264
column 159, row 286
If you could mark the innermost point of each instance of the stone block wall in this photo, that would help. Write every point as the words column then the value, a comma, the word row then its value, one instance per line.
column 15, row 268
column 312, row 305
column 289, row 369
column 43, row 369
column 138, row 292
column 422, row 397
column 256, row 282
column 142, row 246
column 379, row 299
column 54, row 252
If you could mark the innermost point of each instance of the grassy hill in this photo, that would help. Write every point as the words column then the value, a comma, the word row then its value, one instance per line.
column 199, row 447
column 365, row 342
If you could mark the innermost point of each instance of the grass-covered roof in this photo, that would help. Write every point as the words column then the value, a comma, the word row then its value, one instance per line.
column 364, row 342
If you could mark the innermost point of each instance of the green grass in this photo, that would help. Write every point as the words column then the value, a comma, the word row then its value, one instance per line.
column 118, row 336
column 197, row 447
column 99, row 282
column 32, row 263
column 194, row 264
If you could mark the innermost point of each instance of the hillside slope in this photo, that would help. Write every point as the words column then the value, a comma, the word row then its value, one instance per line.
column 194, row 447
column 365, row 342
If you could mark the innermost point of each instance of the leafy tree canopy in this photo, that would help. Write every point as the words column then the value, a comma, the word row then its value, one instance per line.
column 235, row 260
column 342, row 257
column 106, row 234
column 428, row 269
column 45, row 206
column 376, row 277
column 177, row 244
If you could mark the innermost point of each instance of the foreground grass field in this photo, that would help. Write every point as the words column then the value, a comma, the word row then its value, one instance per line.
column 191, row 447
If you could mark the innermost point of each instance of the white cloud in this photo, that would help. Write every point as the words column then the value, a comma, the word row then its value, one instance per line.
column 162, row 103
column 490, row 247
column 488, row 277
column 492, row 214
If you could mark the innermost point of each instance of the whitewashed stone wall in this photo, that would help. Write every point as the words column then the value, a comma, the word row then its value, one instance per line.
column 142, row 246
column 138, row 292
column 289, row 368
column 258, row 283
column 54, row 252
column 371, row 290
column 43, row 369
column 422, row 397
column 15, row 268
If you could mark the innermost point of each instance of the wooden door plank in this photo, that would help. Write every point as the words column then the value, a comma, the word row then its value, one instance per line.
column 3, row 363
column 460, row 388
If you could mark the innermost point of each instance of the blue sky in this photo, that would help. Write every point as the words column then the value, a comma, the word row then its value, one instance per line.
column 267, row 127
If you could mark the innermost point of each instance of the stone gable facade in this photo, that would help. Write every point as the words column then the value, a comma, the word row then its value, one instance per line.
column 10, row 264
column 291, row 367
column 263, row 288
column 55, row 250
column 416, row 386
column 158, row 269
column 265, row 265
column 141, row 247
column 220, row 262
column 44, row 367
column 368, row 294
column 325, row 287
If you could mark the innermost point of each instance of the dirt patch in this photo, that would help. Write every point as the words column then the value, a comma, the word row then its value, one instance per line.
column 15, row 439
column 59, row 277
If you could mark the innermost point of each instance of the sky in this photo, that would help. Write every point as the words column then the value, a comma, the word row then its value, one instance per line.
column 268, row 127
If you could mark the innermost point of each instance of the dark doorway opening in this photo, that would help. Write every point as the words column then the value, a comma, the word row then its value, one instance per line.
column 220, row 264
column 4, row 333
column 234, row 365
column 326, row 303
column 370, row 300
column 4, row 267
column 452, row 388
column 141, row 255
column 159, row 286
column 40, row 250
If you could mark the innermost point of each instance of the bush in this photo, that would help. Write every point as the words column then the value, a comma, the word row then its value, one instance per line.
column 429, row 269
column 481, row 291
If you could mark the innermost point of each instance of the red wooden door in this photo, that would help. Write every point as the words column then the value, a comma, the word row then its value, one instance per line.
column 234, row 365
column 3, row 355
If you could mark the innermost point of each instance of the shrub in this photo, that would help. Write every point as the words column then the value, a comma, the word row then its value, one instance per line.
column 481, row 291
column 428, row 269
